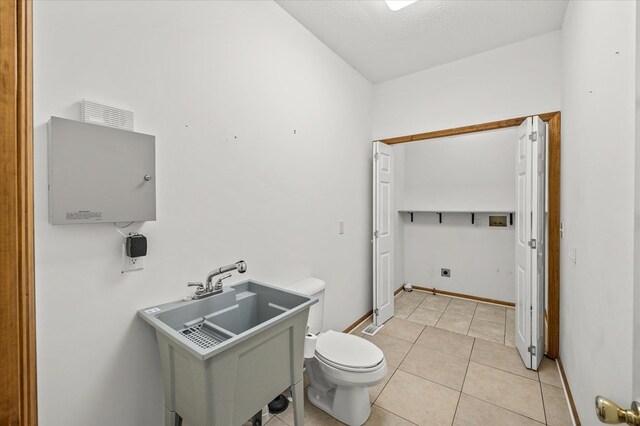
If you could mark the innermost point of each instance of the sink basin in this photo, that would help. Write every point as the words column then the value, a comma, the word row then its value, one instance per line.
column 226, row 356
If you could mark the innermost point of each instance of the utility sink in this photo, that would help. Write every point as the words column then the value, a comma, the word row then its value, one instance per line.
column 226, row 356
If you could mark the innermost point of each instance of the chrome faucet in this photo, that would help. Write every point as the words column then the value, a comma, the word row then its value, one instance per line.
column 209, row 289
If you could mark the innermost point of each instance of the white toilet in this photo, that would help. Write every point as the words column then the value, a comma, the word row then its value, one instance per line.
column 342, row 367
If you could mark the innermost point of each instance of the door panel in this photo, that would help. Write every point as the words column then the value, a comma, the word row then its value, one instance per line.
column 530, row 241
column 523, row 235
column 383, row 211
column 538, row 157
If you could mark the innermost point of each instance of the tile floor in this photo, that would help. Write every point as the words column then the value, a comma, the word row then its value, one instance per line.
column 452, row 362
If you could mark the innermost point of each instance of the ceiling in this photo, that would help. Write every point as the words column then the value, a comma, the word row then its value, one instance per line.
column 382, row 44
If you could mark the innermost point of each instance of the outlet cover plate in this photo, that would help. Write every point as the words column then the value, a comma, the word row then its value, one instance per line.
column 131, row 263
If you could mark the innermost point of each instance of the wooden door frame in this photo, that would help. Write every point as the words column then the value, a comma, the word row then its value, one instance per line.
column 553, row 187
column 17, row 306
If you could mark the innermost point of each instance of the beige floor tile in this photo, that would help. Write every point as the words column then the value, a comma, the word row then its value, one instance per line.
column 382, row 417
column 555, row 406
column 313, row 416
column 454, row 322
column 402, row 309
column 402, row 329
column 412, row 297
column 486, row 330
column 473, row 412
column 462, row 307
column 446, row 341
column 435, row 302
column 394, row 349
column 511, row 315
column 549, row 374
column 275, row 421
column 505, row 390
column 418, row 400
column 491, row 313
column 374, row 391
column 439, row 367
column 510, row 334
column 425, row 316
column 501, row 357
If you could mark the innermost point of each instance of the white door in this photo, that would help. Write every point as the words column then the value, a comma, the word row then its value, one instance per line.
column 538, row 234
column 530, row 244
column 382, row 232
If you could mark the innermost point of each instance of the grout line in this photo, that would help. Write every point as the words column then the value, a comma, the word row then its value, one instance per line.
column 429, row 380
column 395, row 414
column 544, row 408
column 464, row 379
column 504, row 408
column 501, row 370
column 385, row 385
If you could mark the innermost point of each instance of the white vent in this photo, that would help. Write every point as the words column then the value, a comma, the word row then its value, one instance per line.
column 106, row 116
column 372, row 329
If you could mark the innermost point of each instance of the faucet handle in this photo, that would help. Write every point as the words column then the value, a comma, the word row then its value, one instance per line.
column 200, row 286
column 224, row 277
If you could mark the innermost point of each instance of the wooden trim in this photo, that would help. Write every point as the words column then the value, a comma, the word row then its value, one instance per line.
column 572, row 404
column 17, row 308
column 464, row 296
column 553, row 186
column 398, row 291
column 358, row 322
column 501, row 124
column 553, row 245
column 366, row 316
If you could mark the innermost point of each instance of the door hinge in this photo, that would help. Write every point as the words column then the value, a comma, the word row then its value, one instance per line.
column 533, row 136
column 375, row 311
column 375, row 234
column 375, row 156
column 532, row 350
column 532, row 243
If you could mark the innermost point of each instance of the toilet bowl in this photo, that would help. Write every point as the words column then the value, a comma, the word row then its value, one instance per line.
column 341, row 367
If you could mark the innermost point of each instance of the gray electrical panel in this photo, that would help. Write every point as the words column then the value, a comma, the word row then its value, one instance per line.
column 100, row 174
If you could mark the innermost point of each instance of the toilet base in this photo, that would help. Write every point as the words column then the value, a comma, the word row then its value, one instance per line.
column 349, row 404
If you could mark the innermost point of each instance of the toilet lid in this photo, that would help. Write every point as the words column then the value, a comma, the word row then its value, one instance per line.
column 348, row 350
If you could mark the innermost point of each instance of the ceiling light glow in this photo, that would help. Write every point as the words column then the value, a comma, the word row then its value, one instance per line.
column 399, row 4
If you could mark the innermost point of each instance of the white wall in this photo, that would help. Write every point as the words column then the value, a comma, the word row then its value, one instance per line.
column 459, row 173
column 466, row 173
column 516, row 80
column 597, row 197
column 197, row 75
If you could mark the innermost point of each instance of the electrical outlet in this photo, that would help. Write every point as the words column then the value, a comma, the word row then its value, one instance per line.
column 131, row 263
column 445, row 272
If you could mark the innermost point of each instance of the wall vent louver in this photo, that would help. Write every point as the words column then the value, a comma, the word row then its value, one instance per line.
column 104, row 115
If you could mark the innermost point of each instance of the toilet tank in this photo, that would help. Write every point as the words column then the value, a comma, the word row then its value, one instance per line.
column 312, row 287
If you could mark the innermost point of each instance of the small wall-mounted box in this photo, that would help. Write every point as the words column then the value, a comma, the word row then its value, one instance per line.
column 99, row 174
column 499, row 221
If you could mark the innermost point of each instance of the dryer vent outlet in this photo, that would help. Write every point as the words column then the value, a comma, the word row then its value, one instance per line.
column 445, row 272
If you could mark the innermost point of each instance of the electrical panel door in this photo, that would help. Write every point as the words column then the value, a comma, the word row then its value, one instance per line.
column 100, row 174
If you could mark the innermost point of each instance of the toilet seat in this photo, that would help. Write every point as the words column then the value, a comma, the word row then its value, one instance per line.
column 348, row 352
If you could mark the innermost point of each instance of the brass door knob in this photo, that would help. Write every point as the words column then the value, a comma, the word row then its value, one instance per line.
column 611, row 413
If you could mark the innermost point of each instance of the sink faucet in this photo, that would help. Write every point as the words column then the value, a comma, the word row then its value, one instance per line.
column 209, row 289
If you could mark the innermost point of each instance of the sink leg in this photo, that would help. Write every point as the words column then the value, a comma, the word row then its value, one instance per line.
column 171, row 418
column 297, row 391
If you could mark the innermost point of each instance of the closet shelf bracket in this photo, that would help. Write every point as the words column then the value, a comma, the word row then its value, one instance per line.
column 440, row 217
column 473, row 218
column 411, row 214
